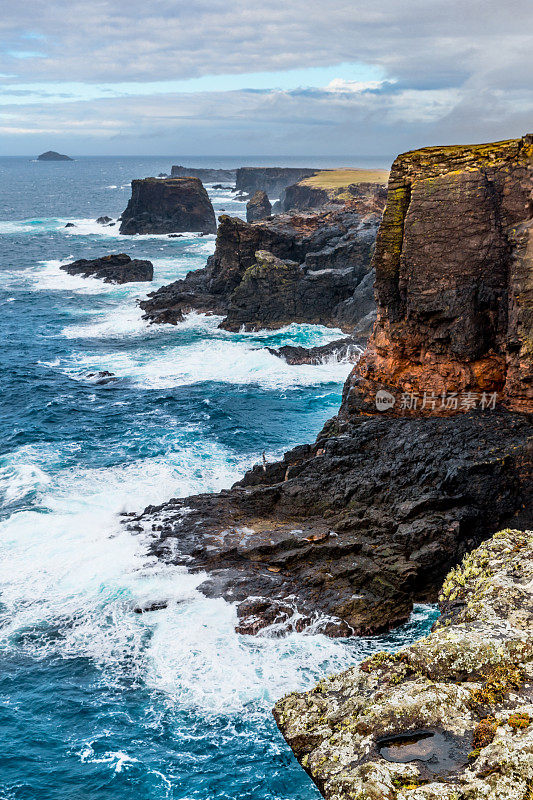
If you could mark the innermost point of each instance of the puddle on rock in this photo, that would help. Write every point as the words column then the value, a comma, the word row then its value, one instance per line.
column 441, row 753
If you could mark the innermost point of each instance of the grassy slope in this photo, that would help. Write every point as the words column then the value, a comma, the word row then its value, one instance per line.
column 339, row 178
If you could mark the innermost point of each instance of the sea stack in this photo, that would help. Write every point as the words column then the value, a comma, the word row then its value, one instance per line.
column 51, row 155
column 174, row 205
column 258, row 207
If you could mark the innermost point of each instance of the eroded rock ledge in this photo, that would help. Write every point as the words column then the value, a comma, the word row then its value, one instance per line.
column 451, row 716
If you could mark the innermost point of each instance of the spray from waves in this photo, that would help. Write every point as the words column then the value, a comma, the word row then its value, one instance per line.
column 74, row 579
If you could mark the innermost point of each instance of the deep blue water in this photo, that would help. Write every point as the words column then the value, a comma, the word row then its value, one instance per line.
column 97, row 701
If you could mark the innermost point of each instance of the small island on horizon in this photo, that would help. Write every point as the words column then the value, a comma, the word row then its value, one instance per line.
column 51, row 155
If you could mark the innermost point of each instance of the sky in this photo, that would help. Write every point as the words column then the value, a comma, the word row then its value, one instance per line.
column 287, row 77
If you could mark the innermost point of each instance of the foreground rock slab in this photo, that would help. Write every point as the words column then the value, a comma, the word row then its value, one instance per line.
column 115, row 268
column 172, row 205
column 451, row 716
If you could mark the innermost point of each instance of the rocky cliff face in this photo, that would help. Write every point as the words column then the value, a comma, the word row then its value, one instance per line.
column 272, row 180
column 448, row 718
column 454, row 265
column 205, row 175
column 175, row 205
column 258, row 207
column 305, row 197
column 351, row 530
column 327, row 281
column 115, row 268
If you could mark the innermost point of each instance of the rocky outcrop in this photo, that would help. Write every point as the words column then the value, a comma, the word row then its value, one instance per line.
column 454, row 266
column 325, row 279
column 447, row 718
column 272, row 180
column 116, row 268
column 332, row 188
column 347, row 349
column 347, row 533
column 205, row 175
column 258, row 207
column 51, row 155
column 175, row 205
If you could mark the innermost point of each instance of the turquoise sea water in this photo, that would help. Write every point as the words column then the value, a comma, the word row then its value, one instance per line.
column 97, row 701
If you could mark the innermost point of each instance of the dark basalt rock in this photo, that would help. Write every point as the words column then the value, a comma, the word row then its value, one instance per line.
column 258, row 207
column 175, row 205
column 70, row 225
column 104, row 220
column 51, row 155
column 272, row 180
column 116, row 268
column 359, row 525
column 205, row 175
column 348, row 349
column 325, row 280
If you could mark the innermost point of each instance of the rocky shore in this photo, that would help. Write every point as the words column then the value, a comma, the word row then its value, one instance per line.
column 173, row 205
column 449, row 717
column 346, row 533
column 312, row 268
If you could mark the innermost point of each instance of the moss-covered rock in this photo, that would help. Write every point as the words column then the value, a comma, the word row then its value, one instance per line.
column 448, row 717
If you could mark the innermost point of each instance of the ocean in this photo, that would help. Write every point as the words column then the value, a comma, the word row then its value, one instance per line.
column 96, row 700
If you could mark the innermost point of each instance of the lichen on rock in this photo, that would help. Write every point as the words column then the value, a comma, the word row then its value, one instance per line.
column 447, row 717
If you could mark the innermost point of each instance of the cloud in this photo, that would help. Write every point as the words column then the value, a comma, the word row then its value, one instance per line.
column 179, row 73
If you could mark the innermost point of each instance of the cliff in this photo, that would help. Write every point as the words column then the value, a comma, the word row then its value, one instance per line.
column 272, row 180
column 174, row 205
column 454, row 286
column 327, row 280
column 447, row 718
column 205, row 175
column 330, row 188
column 346, row 533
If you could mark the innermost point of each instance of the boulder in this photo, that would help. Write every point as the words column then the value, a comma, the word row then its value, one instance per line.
column 450, row 716
column 104, row 220
column 175, row 205
column 119, row 268
column 258, row 207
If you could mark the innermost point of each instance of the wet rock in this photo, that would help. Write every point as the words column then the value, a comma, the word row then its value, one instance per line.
column 70, row 225
column 102, row 377
column 410, row 724
column 157, row 605
column 116, row 268
column 348, row 349
column 258, row 207
column 104, row 220
column 168, row 206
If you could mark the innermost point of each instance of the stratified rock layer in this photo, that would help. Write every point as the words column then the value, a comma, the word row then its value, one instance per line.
column 174, row 205
column 454, row 277
column 116, row 268
column 205, row 175
column 448, row 718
